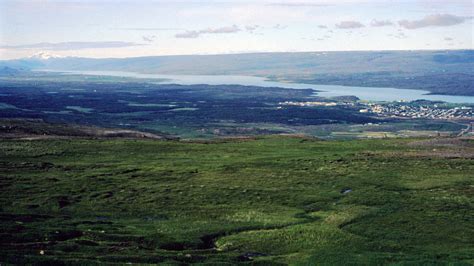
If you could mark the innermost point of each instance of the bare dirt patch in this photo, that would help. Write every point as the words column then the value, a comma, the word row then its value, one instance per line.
column 445, row 142
column 444, row 147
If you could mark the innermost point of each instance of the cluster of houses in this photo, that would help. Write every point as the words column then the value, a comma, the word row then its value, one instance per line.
column 419, row 111
column 398, row 109
column 309, row 103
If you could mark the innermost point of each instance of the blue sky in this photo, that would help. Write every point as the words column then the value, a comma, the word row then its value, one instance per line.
column 106, row 28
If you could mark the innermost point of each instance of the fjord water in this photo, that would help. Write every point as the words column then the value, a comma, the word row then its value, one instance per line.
column 364, row 93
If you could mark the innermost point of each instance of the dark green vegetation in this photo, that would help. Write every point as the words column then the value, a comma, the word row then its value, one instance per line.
column 186, row 111
column 74, row 190
column 273, row 199
column 38, row 129
column 192, row 111
column 441, row 72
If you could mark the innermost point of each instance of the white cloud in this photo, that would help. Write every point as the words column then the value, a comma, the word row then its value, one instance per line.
column 380, row 23
column 149, row 38
column 438, row 20
column 148, row 29
column 229, row 29
column 72, row 45
column 349, row 25
column 191, row 34
column 196, row 34
column 299, row 4
column 252, row 28
column 398, row 35
column 280, row 27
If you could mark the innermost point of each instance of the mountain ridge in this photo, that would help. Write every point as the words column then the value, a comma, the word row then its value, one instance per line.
column 436, row 71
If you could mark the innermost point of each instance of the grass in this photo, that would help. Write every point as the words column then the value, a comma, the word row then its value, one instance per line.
column 271, row 200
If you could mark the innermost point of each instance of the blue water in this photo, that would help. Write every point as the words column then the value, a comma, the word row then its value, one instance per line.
column 364, row 93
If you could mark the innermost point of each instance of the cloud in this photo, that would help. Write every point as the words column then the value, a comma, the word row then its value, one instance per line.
column 398, row 35
column 72, row 45
column 401, row 35
column 254, row 29
column 438, row 20
column 198, row 33
column 380, row 23
column 448, row 39
column 149, row 29
column 280, row 27
column 349, row 25
column 191, row 34
column 251, row 28
column 299, row 4
column 322, row 26
column 149, row 38
column 229, row 29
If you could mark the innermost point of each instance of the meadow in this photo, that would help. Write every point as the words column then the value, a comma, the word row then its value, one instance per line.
column 267, row 200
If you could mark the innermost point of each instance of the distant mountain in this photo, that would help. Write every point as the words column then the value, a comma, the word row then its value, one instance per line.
column 10, row 72
column 44, row 56
column 25, row 63
column 267, row 64
column 36, row 61
column 400, row 69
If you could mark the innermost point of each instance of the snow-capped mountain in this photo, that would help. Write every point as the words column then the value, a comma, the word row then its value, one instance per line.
column 44, row 56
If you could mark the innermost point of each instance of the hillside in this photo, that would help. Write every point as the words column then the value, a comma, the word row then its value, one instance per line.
column 272, row 200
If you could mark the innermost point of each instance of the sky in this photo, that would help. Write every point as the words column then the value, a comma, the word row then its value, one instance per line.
column 130, row 28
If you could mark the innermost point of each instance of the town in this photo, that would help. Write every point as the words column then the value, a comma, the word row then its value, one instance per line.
column 411, row 110
column 401, row 109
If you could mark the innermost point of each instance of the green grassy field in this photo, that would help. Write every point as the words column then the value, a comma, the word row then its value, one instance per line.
column 271, row 200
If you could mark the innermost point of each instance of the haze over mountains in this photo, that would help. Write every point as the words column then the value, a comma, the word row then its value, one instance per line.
column 429, row 70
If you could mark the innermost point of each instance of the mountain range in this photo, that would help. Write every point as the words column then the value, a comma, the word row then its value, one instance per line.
column 440, row 72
